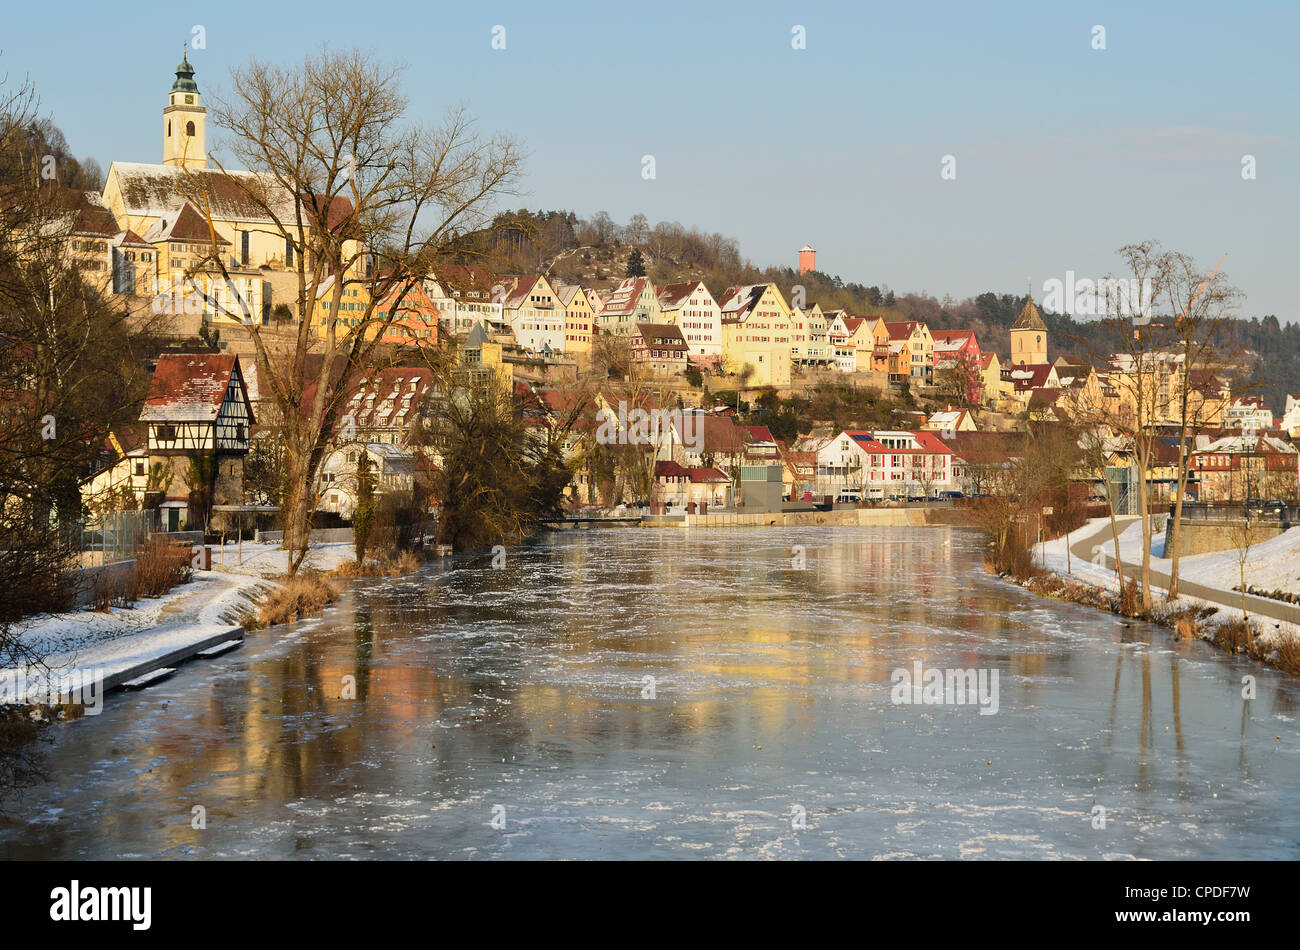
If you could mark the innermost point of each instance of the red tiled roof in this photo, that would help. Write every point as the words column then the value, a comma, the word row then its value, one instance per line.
column 673, row 296
column 183, row 224
column 703, row 474
column 189, row 388
column 901, row 331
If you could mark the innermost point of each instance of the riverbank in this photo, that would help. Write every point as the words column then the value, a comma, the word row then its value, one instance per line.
column 917, row 517
column 115, row 645
column 1080, row 567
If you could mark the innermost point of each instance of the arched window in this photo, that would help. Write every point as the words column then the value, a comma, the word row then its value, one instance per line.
column 169, row 128
column 189, row 128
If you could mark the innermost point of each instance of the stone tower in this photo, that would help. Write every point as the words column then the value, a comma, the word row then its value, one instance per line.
column 1028, row 337
column 184, row 139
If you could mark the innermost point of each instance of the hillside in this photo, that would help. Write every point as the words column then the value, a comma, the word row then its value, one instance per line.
column 594, row 252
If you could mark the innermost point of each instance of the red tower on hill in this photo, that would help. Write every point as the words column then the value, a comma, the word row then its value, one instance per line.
column 807, row 259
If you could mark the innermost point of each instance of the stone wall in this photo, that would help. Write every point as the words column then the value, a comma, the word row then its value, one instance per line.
column 1202, row 537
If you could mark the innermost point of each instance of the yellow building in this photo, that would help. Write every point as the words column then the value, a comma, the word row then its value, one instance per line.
column 756, row 333
column 991, row 371
column 579, row 318
column 481, row 359
column 1028, row 337
column 352, row 306
column 141, row 195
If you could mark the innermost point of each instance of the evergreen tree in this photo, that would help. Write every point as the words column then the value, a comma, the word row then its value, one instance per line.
column 363, row 516
column 635, row 264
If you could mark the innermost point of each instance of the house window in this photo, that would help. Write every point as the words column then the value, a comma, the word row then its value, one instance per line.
column 243, row 247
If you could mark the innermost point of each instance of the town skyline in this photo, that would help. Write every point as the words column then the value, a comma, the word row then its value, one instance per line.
column 1016, row 160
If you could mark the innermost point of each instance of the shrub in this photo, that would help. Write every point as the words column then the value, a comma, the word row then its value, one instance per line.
column 111, row 591
column 1128, row 599
column 307, row 592
column 1233, row 636
column 392, row 564
column 1287, row 656
column 160, row 567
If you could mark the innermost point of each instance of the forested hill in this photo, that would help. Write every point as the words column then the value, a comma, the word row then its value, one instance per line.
column 596, row 251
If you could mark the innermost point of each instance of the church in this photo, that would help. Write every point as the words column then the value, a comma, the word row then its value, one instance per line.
column 171, row 203
column 142, row 196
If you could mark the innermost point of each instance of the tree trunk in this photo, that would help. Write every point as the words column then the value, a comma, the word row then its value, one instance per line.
column 1173, row 535
column 1145, row 514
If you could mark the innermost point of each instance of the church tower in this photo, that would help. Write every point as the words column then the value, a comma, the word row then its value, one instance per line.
column 184, row 143
column 1028, row 337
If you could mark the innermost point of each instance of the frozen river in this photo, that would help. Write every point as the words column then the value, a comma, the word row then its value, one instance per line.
column 659, row 694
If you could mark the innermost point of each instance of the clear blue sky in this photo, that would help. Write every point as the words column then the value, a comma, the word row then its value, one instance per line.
column 1063, row 152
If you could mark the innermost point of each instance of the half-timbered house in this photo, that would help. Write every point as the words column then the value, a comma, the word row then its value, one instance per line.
column 198, row 406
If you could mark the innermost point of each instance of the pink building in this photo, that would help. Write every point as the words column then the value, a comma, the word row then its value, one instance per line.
column 807, row 259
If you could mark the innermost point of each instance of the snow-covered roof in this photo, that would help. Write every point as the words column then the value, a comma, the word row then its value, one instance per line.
column 189, row 388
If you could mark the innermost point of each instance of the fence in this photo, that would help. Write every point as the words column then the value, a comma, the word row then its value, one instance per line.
column 1203, row 511
column 318, row 535
column 111, row 536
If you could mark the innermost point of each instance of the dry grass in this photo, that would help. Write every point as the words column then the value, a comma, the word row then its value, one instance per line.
column 1286, row 655
column 1188, row 621
column 1232, row 635
column 390, row 565
column 160, row 567
column 1128, row 599
column 112, row 592
column 307, row 592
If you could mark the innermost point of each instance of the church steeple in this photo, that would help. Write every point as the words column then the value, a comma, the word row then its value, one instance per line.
column 1029, row 335
column 184, row 141
column 185, row 75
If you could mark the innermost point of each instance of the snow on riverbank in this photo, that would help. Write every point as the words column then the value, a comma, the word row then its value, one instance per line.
column 1272, row 564
column 1052, row 555
column 270, row 560
column 123, row 637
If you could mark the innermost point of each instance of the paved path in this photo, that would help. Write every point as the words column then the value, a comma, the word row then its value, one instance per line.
column 1257, row 606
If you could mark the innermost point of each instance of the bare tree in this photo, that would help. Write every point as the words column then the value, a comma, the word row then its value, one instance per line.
column 1201, row 307
column 1134, row 357
column 1094, row 459
column 367, row 202
column 1242, row 533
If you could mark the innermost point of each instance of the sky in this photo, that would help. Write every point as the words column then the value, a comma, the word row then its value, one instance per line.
column 1062, row 152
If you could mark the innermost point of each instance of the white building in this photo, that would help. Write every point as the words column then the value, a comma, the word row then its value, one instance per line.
column 883, row 465
column 532, row 310
column 393, row 468
column 1249, row 413
column 691, row 307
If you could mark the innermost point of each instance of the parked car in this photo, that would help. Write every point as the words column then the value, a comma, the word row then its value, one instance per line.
column 849, row 496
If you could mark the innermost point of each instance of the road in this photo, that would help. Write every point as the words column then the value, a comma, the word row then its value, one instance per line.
column 1258, row 606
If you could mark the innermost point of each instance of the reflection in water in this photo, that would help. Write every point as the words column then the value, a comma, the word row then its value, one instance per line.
column 523, row 688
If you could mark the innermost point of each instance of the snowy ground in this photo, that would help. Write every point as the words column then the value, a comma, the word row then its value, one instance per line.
column 270, row 560
column 110, row 641
column 1273, row 564
column 1270, row 565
